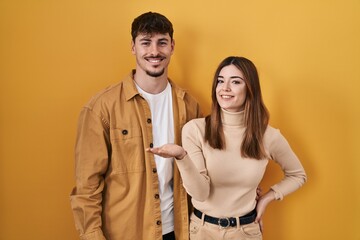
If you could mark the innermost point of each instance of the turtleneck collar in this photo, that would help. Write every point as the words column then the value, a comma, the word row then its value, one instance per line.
column 232, row 118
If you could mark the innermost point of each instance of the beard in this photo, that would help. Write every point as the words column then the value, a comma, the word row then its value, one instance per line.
column 155, row 74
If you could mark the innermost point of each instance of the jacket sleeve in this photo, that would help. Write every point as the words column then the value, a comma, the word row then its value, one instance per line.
column 91, row 161
column 192, row 167
column 294, row 173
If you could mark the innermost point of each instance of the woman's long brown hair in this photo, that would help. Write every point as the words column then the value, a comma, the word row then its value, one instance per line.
column 256, row 113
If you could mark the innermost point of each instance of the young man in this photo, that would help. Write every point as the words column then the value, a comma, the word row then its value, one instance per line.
column 123, row 192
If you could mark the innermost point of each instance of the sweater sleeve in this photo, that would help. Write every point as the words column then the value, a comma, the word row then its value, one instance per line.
column 294, row 173
column 192, row 166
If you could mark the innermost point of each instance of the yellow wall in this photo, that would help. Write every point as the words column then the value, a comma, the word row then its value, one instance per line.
column 54, row 55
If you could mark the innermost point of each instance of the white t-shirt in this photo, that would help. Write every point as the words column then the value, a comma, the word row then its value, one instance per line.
column 163, row 132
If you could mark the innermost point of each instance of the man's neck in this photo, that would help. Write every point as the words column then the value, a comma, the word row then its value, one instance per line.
column 153, row 85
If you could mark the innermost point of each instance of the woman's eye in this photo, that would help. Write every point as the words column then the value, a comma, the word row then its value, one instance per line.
column 220, row 81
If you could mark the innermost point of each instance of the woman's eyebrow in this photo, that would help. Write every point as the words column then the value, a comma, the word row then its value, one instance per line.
column 232, row 77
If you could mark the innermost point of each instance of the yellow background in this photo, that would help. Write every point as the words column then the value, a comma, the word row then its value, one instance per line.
column 54, row 55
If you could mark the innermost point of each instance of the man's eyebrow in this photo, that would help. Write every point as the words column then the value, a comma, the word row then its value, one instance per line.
column 163, row 39
column 148, row 39
column 145, row 39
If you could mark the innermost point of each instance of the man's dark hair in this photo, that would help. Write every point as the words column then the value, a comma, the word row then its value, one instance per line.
column 149, row 23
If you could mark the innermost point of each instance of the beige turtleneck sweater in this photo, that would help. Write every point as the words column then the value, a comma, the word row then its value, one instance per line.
column 221, row 182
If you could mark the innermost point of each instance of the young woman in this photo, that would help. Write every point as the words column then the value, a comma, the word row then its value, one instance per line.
column 224, row 157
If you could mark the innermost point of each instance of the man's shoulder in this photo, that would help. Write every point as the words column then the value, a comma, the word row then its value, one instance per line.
column 109, row 95
column 181, row 92
column 186, row 96
column 192, row 105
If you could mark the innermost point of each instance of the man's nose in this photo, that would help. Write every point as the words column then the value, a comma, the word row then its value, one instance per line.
column 154, row 50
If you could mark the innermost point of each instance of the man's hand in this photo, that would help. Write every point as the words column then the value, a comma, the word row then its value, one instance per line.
column 169, row 150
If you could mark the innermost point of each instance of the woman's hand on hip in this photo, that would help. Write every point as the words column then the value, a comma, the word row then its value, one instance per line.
column 263, row 201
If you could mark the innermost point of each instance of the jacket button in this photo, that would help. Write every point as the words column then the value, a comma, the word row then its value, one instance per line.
column 158, row 222
column 154, row 170
column 148, row 120
column 124, row 132
column 151, row 145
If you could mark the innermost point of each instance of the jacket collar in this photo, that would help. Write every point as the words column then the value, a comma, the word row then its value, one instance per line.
column 131, row 90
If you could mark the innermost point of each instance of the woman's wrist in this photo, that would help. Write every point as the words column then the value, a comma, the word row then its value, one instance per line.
column 269, row 196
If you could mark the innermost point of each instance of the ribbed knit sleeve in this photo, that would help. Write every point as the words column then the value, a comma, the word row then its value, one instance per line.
column 281, row 152
column 192, row 166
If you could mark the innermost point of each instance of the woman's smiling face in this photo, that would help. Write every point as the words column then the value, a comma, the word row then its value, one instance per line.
column 231, row 89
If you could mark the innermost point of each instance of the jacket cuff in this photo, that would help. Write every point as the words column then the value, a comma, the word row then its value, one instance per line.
column 96, row 235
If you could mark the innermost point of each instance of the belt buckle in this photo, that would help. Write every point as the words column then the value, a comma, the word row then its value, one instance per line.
column 224, row 223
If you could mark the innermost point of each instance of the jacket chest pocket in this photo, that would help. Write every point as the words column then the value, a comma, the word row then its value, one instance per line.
column 127, row 150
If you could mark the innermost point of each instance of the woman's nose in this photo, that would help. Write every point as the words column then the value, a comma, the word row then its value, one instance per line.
column 226, row 87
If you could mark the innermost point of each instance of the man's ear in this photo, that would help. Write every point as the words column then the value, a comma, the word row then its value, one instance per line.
column 172, row 46
column 132, row 47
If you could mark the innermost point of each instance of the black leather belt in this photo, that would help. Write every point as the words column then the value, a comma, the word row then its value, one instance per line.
column 229, row 221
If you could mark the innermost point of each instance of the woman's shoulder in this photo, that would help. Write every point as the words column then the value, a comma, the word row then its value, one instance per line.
column 273, row 136
column 271, row 130
column 196, row 122
column 194, row 130
column 194, row 125
column 271, row 133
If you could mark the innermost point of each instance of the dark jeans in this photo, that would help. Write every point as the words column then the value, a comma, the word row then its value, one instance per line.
column 169, row 236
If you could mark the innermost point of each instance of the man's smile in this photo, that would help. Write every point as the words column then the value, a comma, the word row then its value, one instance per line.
column 154, row 59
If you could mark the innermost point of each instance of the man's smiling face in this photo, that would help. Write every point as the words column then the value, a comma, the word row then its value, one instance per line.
column 153, row 53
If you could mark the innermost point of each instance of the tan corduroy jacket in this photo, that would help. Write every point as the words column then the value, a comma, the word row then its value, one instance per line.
column 116, row 192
